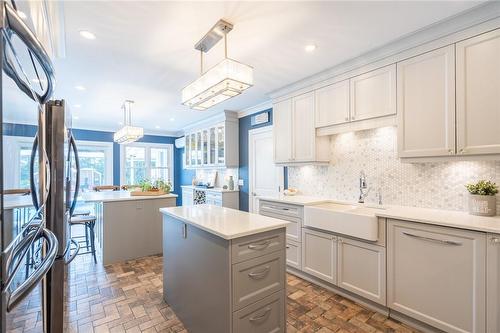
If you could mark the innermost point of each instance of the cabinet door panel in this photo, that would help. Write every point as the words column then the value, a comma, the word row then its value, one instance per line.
column 319, row 255
column 437, row 275
column 493, row 283
column 332, row 104
column 361, row 269
column 426, row 104
column 303, row 132
column 373, row 94
column 293, row 254
column 282, row 131
column 478, row 94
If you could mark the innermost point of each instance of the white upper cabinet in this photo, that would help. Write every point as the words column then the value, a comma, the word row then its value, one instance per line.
column 478, row 94
column 426, row 104
column 373, row 94
column 215, row 145
column 294, row 132
column 282, row 131
column 304, row 132
column 332, row 104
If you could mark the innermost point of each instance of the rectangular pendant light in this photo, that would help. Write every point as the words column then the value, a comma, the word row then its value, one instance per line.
column 225, row 80
column 128, row 134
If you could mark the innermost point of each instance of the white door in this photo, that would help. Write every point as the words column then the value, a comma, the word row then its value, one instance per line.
column 265, row 178
column 478, row 94
column 426, row 104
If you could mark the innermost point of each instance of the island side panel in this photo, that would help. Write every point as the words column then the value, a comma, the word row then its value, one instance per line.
column 196, row 277
column 132, row 229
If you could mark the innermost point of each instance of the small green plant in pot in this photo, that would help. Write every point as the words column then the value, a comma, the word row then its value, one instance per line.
column 482, row 199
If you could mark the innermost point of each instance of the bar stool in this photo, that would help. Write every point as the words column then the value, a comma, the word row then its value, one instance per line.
column 88, row 221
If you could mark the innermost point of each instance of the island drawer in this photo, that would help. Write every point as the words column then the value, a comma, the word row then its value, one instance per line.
column 253, row 246
column 265, row 316
column 257, row 278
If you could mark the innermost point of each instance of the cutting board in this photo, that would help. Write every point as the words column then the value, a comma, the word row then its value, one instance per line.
column 146, row 193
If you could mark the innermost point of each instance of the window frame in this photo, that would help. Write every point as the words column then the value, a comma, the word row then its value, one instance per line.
column 108, row 156
column 147, row 157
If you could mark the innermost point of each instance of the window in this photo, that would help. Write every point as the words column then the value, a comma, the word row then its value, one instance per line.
column 16, row 157
column 146, row 161
column 96, row 164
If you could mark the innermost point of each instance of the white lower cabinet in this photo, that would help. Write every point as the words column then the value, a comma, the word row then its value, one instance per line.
column 294, row 254
column 319, row 254
column 437, row 275
column 493, row 284
column 361, row 269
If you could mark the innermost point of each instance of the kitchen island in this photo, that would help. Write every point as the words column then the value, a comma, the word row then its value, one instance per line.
column 128, row 227
column 224, row 269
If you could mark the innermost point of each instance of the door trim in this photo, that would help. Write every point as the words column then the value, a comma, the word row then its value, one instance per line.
column 251, row 167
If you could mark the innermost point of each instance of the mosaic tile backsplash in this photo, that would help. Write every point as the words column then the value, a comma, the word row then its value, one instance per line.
column 430, row 185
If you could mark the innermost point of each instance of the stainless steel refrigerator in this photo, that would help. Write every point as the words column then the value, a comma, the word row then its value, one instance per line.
column 35, row 249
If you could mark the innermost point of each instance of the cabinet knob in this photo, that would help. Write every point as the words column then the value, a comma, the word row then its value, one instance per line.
column 353, row 117
column 495, row 240
column 462, row 151
column 450, row 151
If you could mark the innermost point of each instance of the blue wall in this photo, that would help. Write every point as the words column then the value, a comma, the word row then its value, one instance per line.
column 101, row 136
column 181, row 176
column 245, row 126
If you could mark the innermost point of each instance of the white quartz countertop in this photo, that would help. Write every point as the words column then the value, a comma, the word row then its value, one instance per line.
column 455, row 219
column 213, row 189
column 224, row 222
column 16, row 201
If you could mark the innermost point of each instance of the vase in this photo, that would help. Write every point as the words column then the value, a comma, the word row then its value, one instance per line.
column 231, row 183
column 482, row 205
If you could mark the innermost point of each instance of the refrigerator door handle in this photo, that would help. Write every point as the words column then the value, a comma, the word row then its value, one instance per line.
column 72, row 143
column 34, row 192
column 14, row 24
column 16, row 296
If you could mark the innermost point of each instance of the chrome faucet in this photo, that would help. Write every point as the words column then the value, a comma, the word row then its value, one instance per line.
column 363, row 187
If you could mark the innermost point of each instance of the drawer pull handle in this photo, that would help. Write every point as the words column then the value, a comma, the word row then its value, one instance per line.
column 288, row 246
column 260, row 274
column 440, row 241
column 259, row 246
column 262, row 316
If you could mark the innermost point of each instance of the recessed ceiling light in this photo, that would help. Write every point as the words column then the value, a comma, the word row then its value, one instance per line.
column 157, row 127
column 77, row 105
column 76, row 117
column 81, row 88
column 172, row 119
column 310, row 48
column 22, row 15
column 87, row 34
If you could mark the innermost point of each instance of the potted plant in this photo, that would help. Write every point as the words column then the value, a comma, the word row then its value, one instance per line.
column 482, row 199
column 159, row 185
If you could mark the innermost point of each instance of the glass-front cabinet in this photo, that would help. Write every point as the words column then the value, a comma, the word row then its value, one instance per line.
column 213, row 146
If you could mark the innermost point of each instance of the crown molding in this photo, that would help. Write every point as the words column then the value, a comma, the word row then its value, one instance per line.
column 255, row 109
column 463, row 25
column 217, row 118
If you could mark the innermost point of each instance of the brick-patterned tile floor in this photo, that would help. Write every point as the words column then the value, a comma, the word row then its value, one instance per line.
column 127, row 297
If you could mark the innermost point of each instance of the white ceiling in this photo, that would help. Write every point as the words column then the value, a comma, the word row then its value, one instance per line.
column 144, row 51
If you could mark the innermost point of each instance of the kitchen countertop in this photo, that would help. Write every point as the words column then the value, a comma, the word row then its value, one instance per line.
column 448, row 218
column 17, row 201
column 224, row 222
column 213, row 189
